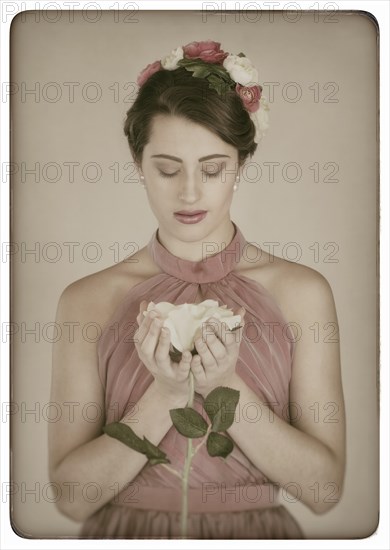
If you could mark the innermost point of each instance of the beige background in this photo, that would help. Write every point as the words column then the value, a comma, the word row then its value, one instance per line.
column 112, row 214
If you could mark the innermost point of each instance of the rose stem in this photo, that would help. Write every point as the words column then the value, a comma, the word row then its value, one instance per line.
column 187, row 466
column 171, row 470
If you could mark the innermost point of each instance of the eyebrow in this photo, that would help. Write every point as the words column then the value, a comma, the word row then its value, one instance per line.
column 177, row 159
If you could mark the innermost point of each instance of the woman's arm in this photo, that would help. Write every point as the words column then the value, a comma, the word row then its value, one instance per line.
column 309, row 453
column 83, row 462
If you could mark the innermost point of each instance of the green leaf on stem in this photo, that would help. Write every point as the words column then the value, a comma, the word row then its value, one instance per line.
column 202, row 69
column 188, row 422
column 198, row 67
column 185, row 62
column 220, row 405
column 126, row 435
column 122, row 432
column 154, row 453
column 193, row 63
column 220, row 72
column 219, row 445
column 154, row 461
column 217, row 84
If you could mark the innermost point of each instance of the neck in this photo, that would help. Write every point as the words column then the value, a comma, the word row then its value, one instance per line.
column 198, row 250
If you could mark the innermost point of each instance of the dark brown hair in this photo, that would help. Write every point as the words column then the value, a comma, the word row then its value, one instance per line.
column 179, row 93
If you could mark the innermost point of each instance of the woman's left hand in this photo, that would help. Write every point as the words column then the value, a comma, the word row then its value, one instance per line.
column 218, row 348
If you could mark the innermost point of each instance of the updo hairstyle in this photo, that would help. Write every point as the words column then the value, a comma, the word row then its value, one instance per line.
column 178, row 93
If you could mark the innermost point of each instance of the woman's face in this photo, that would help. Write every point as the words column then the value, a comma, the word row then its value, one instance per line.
column 188, row 167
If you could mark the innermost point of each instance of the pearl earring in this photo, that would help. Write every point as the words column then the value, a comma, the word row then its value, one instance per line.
column 235, row 186
column 142, row 178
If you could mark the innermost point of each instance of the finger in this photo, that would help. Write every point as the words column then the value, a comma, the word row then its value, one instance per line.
column 162, row 350
column 216, row 327
column 149, row 343
column 141, row 332
column 146, row 322
column 142, row 309
column 203, row 344
column 140, row 315
column 198, row 370
column 217, row 348
column 233, row 338
column 184, row 365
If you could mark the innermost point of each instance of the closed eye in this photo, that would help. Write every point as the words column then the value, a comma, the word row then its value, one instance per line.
column 208, row 174
column 165, row 175
column 216, row 172
column 212, row 174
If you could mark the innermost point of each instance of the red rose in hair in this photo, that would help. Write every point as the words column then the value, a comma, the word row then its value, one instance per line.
column 250, row 96
column 208, row 51
column 148, row 71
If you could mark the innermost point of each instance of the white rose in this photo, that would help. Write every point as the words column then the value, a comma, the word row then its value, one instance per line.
column 170, row 61
column 260, row 119
column 241, row 70
column 184, row 320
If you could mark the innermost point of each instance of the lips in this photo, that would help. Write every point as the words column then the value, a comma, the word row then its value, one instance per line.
column 190, row 212
column 191, row 217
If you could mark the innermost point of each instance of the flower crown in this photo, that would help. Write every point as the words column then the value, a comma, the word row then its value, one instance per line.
column 222, row 71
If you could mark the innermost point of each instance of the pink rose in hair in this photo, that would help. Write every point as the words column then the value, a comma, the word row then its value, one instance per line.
column 208, row 51
column 250, row 96
column 148, row 71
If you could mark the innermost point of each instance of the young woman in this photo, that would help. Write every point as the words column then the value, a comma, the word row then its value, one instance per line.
column 197, row 118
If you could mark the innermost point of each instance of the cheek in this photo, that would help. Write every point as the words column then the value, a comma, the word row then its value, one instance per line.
column 221, row 192
column 159, row 199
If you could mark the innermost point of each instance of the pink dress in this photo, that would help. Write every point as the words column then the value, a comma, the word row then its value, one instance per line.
column 228, row 498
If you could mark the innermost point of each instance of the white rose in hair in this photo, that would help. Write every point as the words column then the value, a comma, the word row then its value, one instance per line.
column 241, row 70
column 183, row 320
column 260, row 119
column 170, row 61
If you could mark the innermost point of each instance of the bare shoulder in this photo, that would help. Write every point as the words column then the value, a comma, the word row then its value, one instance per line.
column 96, row 296
column 298, row 289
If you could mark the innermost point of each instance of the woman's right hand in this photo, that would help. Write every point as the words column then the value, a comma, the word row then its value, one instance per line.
column 153, row 344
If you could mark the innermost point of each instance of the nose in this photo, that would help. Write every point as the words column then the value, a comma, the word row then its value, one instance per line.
column 189, row 190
